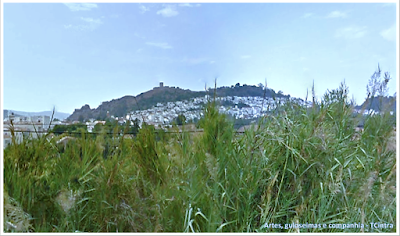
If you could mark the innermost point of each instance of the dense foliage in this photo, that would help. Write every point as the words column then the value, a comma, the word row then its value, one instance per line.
column 70, row 129
column 298, row 166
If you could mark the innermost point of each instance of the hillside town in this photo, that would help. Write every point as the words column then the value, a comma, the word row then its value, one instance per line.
column 162, row 115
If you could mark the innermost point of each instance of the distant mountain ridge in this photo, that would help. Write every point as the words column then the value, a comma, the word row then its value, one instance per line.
column 58, row 115
column 122, row 106
column 379, row 103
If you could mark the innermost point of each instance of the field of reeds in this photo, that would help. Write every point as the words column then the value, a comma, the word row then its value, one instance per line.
column 300, row 169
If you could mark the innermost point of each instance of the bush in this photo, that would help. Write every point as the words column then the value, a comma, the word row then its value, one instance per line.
column 298, row 165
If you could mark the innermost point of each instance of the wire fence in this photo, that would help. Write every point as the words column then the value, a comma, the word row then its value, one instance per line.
column 109, row 133
column 113, row 126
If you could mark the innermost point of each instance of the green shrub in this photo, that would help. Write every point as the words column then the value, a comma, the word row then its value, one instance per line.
column 297, row 165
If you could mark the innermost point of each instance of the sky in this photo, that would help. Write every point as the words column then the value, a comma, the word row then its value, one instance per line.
column 66, row 55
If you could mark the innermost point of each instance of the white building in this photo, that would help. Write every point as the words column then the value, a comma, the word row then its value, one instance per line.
column 24, row 127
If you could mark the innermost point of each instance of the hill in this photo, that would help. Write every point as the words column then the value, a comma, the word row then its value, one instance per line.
column 121, row 106
column 379, row 103
column 58, row 115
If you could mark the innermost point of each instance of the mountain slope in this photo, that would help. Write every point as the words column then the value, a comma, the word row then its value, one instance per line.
column 58, row 115
column 121, row 106
column 379, row 103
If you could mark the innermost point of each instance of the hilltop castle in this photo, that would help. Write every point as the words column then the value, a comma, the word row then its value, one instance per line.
column 161, row 86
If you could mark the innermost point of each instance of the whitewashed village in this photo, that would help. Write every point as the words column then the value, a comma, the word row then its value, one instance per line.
column 161, row 116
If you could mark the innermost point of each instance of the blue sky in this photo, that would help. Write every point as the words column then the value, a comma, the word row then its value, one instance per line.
column 68, row 55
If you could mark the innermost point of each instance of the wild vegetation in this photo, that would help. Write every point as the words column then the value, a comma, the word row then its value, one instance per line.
column 300, row 165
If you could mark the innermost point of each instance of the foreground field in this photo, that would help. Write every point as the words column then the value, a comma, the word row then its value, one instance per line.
column 300, row 170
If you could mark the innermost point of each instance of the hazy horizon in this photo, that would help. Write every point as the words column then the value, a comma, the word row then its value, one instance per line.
column 66, row 55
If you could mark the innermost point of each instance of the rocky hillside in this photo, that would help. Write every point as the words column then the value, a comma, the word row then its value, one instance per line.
column 121, row 106
column 379, row 103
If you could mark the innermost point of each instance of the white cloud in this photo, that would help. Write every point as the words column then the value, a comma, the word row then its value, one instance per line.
column 212, row 62
column 389, row 4
column 337, row 14
column 196, row 60
column 351, row 32
column 91, row 20
column 89, row 24
column 159, row 45
column 168, row 11
column 189, row 5
column 245, row 56
column 143, row 9
column 307, row 15
column 389, row 34
column 81, row 6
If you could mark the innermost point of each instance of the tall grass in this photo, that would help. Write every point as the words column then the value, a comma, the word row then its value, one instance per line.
column 299, row 165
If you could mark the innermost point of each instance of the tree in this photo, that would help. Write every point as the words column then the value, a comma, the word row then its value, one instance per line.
column 180, row 120
column 97, row 128
column 74, row 128
column 59, row 129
